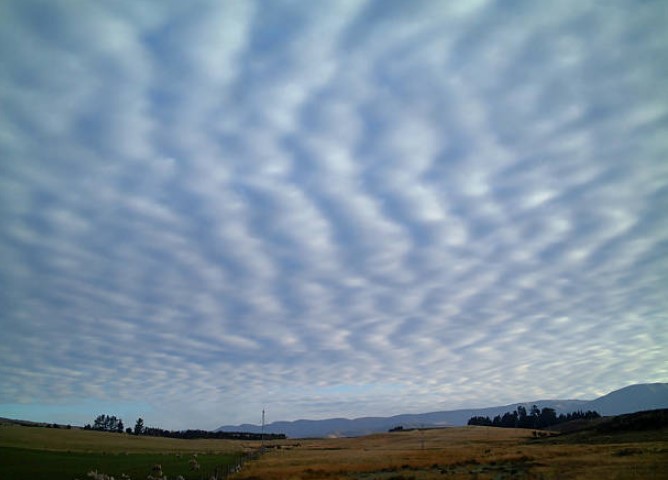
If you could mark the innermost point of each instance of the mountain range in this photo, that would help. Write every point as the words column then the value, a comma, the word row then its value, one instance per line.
column 634, row 398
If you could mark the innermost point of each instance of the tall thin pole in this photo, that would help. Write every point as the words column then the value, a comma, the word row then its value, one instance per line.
column 262, row 434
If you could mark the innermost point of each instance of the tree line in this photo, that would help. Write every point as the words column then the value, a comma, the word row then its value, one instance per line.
column 190, row 434
column 106, row 423
column 534, row 418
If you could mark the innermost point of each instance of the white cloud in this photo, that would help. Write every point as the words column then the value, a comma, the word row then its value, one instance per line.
column 345, row 207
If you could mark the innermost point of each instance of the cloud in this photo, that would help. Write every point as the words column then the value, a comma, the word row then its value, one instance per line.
column 352, row 208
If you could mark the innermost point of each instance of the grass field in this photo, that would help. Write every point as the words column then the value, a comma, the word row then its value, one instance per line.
column 91, row 441
column 482, row 453
column 462, row 453
column 33, row 453
column 18, row 463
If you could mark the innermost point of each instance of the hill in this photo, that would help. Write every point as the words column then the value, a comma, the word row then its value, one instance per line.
column 644, row 426
column 626, row 400
column 634, row 398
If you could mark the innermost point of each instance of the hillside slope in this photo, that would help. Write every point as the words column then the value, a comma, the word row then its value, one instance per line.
column 626, row 400
column 634, row 398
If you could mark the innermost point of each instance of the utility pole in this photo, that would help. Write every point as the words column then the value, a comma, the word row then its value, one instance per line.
column 262, row 434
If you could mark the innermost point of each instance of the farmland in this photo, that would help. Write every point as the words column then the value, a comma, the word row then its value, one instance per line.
column 463, row 453
column 61, row 454
column 482, row 453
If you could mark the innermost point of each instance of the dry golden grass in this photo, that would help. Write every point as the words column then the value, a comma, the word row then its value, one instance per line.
column 457, row 453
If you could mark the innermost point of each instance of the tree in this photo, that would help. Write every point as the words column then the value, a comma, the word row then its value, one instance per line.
column 536, row 418
column 509, row 420
column 139, row 426
column 523, row 420
column 548, row 416
column 480, row 421
column 99, row 422
column 106, row 423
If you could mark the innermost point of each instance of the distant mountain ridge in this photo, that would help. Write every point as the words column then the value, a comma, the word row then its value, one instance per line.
column 634, row 398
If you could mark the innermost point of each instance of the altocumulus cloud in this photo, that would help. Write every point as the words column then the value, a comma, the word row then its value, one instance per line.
column 339, row 208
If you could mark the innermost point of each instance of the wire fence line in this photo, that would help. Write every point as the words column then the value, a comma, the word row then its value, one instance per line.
column 236, row 467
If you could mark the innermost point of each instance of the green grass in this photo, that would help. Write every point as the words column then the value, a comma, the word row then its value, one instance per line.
column 34, row 453
column 76, row 440
column 21, row 463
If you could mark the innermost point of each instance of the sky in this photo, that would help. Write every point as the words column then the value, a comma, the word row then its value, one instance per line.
column 328, row 209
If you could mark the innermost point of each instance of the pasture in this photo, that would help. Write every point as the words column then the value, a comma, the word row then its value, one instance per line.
column 482, row 453
column 34, row 453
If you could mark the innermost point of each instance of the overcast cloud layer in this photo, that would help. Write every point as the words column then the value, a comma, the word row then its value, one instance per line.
column 328, row 208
